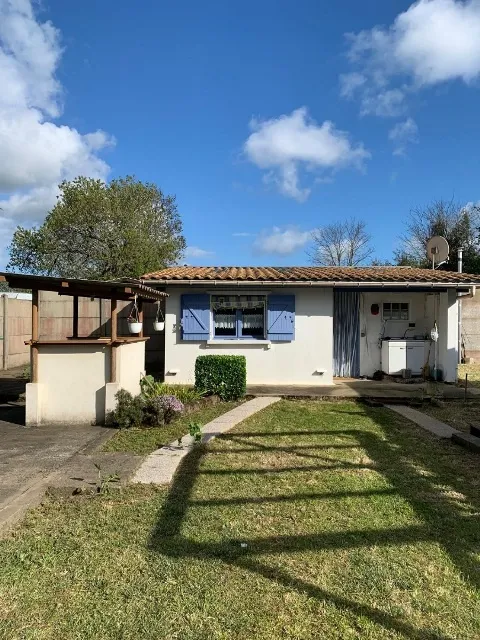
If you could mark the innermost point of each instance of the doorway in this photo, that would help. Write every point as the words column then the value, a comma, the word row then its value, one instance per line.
column 346, row 334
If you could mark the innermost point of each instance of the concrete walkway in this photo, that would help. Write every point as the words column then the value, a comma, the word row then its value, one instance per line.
column 439, row 429
column 160, row 466
column 384, row 390
column 31, row 457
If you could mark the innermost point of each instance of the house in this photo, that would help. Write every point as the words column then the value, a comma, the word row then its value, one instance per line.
column 309, row 325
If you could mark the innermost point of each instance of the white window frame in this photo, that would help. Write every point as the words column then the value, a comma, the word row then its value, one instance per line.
column 390, row 302
column 237, row 338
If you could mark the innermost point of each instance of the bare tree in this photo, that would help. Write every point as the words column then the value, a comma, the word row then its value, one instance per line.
column 459, row 224
column 341, row 244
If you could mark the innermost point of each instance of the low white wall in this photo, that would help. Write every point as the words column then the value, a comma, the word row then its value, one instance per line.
column 131, row 365
column 294, row 363
column 72, row 382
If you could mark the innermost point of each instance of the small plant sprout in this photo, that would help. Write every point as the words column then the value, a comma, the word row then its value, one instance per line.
column 105, row 481
column 195, row 430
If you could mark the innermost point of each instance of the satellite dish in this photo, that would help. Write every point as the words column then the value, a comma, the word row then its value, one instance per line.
column 437, row 250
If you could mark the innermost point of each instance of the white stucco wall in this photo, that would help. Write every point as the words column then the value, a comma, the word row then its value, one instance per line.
column 295, row 362
column 448, row 335
column 425, row 308
column 72, row 382
column 130, row 365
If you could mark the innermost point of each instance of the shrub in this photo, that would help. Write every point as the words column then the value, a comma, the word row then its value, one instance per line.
column 128, row 412
column 225, row 376
column 171, row 407
column 152, row 388
column 153, row 412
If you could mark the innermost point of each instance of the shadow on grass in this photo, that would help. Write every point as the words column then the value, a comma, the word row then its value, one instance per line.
column 411, row 472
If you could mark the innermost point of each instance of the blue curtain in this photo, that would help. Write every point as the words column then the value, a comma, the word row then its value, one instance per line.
column 346, row 334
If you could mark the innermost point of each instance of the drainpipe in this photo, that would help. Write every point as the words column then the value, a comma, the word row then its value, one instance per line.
column 459, row 309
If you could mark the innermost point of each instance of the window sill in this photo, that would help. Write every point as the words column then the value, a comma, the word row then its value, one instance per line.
column 237, row 342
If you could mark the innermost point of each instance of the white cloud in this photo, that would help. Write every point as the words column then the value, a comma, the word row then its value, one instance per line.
column 389, row 103
column 281, row 241
column 36, row 153
column 403, row 134
column 432, row 42
column 285, row 145
column 350, row 82
column 196, row 252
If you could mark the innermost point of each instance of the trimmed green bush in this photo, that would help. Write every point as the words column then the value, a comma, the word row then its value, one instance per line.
column 224, row 376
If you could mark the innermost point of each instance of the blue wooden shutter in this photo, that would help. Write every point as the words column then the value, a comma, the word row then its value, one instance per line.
column 281, row 318
column 196, row 316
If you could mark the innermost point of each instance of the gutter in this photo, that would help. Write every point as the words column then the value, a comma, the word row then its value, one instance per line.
column 314, row 283
column 470, row 294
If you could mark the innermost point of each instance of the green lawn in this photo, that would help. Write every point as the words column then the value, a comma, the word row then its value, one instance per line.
column 308, row 521
column 143, row 441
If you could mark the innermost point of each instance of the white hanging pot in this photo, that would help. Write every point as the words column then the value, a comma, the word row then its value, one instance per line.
column 135, row 327
column 159, row 322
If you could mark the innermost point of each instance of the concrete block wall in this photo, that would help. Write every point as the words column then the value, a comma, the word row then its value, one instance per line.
column 471, row 326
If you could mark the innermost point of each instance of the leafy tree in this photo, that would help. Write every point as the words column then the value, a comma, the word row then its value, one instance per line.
column 457, row 223
column 342, row 244
column 102, row 231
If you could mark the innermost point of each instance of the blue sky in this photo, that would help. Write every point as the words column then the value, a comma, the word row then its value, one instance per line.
column 264, row 118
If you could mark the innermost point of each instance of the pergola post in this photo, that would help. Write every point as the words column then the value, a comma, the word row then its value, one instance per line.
column 114, row 336
column 75, row 316
column 35, row 334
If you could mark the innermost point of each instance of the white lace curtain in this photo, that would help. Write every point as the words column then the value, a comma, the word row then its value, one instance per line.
column 225, row 320
column 252, row 320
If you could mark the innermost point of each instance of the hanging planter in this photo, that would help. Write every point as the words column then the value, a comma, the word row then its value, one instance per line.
column 159, row 325
column 133, row 321
column 134, row 326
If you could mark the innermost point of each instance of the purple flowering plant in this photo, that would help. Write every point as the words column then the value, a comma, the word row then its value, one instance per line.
column 171, row 407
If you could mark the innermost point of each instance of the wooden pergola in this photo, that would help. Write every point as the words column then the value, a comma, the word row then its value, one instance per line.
column 113, row 290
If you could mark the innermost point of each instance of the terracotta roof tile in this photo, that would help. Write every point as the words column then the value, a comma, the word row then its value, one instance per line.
column 314, row 274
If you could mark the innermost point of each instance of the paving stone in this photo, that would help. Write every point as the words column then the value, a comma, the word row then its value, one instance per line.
column 440, row 429
column 160, row 466
column 467, row 441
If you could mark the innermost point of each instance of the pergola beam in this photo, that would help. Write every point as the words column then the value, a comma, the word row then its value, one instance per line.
column 117, row 290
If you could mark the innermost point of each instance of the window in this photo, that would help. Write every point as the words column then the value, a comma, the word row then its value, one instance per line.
column 396, row 310
column 238, row 317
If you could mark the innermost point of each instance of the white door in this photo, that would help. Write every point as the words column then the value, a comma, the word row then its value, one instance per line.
column 397, row 358
column 415, row 358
